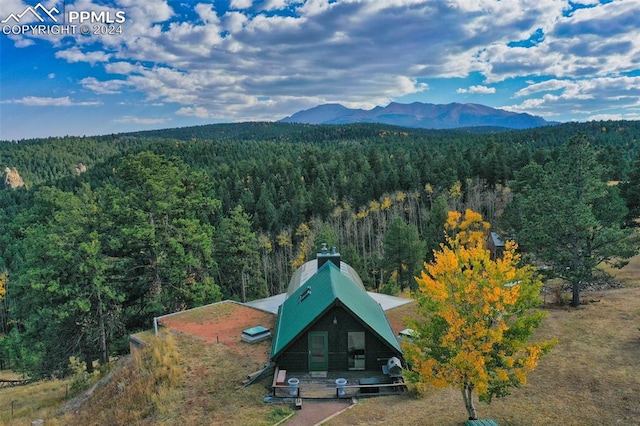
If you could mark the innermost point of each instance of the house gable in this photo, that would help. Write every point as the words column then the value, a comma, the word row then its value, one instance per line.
column 328, row 290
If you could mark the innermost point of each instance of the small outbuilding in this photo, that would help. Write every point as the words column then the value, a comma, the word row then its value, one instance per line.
column 495, row 244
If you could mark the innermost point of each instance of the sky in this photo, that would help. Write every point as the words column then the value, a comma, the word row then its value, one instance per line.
column 95, row 67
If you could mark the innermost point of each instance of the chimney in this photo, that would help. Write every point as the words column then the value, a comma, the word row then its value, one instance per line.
column 328, row 255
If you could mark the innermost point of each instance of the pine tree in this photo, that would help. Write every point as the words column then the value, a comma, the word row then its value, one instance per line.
column 567, row 216
column 238, row 258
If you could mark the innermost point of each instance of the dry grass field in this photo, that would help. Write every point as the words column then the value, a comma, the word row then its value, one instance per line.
column 209, row 392
column 21, row 404
column 592, row 377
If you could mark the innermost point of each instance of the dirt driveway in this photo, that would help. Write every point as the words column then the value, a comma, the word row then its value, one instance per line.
column 313, row 412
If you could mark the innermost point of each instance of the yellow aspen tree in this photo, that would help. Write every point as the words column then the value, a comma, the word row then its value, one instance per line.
column 476, row 317
column 3, row 284
column 304, row 233
column 386, row 203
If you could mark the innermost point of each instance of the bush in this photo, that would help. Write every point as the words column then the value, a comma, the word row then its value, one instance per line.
column 391, row 287
column 80, row 378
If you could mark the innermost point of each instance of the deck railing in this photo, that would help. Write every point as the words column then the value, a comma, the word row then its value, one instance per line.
column 349, row 390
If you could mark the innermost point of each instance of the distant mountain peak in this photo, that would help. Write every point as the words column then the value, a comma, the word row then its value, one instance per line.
column 418, row 114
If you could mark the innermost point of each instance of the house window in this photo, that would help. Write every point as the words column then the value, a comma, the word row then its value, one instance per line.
column 356, row 350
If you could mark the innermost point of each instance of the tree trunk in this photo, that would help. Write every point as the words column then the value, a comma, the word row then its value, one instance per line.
column 575, row 265
column 88, row 362
column 244, row 286
column 575, row 302
column 467, row 395
column 104, row 348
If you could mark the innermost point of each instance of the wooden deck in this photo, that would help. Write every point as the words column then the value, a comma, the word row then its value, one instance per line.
column 314, row 386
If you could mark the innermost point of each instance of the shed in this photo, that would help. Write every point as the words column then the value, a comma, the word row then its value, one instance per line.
column 495, row 244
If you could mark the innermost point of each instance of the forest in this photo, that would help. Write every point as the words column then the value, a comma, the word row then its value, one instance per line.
column 108, row 232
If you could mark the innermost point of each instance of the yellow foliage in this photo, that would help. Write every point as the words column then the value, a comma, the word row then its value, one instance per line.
column 469, row 230
column 362, row 214
column 284, row 239
column 456, row 190
column 300, row 259
column 428, row 188
column 265, row 243
column 303, row 230
column 469, row 302
column 386, row 203
column 3, row 284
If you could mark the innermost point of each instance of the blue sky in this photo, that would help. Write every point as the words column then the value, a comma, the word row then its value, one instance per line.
column 180, row 63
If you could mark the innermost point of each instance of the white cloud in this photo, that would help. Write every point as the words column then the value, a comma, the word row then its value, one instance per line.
column 588, row 43
column 477, row 90
column 64, row 101
column 605, row 117
column 348, row 51
column 207, row 13
column 74, row 54
column 234, row 21
column 314, row 7
column 146, row 12
column 588, row 97
column 19, row 41
column 199, row 112
column 122, row 67
column 140, row 120
column 545, row 86
column 275, row 4
column 360, row 53
column 109, row 87
column 240, row 4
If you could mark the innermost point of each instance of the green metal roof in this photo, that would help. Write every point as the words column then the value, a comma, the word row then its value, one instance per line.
column 480, row 423
column 316, row 296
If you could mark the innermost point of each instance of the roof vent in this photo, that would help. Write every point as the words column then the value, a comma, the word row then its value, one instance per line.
column 305, row 293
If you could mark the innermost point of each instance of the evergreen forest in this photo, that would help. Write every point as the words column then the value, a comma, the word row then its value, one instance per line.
column 108, row 232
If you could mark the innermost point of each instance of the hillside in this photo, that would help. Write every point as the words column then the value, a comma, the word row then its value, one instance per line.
column 163, row 221
column 590, row 378
column 40, row 161
column 422, row 115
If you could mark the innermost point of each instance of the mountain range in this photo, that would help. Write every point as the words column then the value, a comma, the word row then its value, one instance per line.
column 418, row 114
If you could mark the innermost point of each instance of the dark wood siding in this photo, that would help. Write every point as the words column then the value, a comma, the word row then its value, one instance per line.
column 295, row 358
